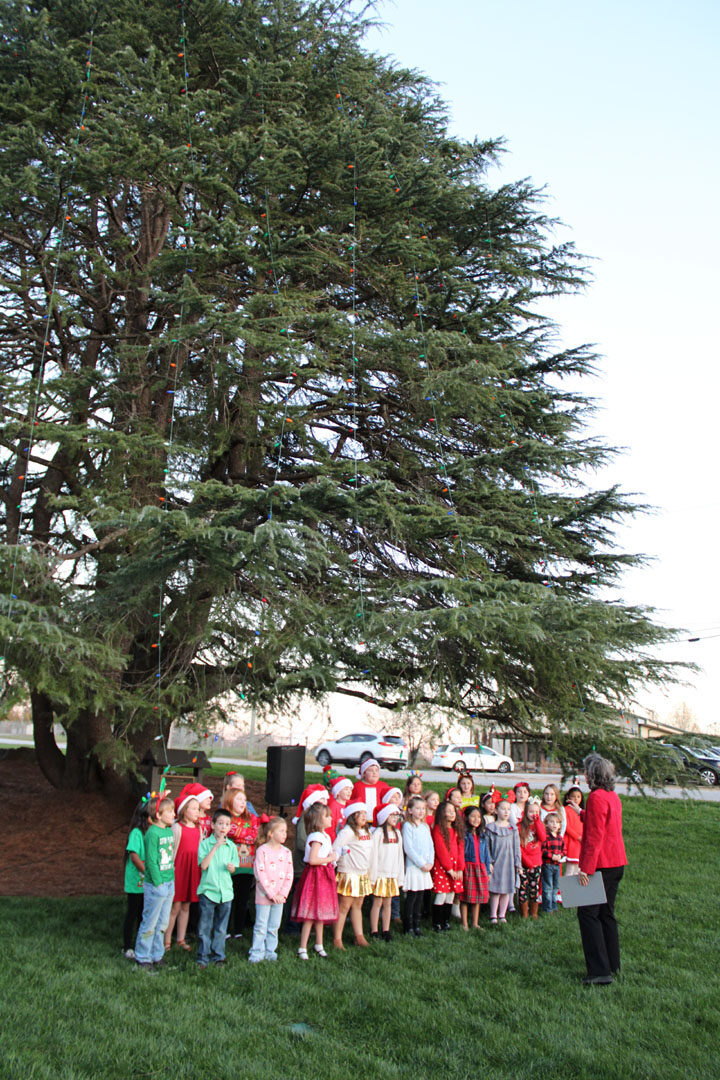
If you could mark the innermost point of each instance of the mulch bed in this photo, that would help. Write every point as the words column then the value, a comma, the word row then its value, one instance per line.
column 67, row 843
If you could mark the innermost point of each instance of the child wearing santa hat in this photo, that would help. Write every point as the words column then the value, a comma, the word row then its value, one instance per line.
column 204, row 797
column 313, row 794
column 315, row 903
column 369, row 789
column 339, row 798
column 394, row 797
column 353, row 848
column 205, row 824
column 186, row 835
column 386, row 867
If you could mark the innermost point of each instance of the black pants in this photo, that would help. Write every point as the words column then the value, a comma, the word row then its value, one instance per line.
column 242, row 886
column 413, row 909
column 133, row 915
column 598, row 928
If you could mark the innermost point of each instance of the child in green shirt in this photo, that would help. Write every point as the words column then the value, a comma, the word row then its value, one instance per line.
column 158, row 886
column 134, row 875
column 218, row 859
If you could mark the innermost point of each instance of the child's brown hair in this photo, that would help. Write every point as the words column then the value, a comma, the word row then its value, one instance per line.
column 314, row 817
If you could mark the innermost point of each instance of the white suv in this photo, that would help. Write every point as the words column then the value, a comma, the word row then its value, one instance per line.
column 477, row 758
column 389, row 750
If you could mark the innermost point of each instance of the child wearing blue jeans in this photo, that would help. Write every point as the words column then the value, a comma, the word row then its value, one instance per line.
column 158, row 886
column 553, row 855
column 273, row 870
column 218, row 859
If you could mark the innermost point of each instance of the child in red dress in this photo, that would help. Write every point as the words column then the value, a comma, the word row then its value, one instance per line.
column 187, row 871
column 315, row 902
column 447, row 871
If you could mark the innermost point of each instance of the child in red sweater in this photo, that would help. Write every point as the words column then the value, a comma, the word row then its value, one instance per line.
column 532, row 834
column 447, row 871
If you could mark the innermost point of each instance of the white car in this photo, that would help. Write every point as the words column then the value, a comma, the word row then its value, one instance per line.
column 477, row 758
column 388, row 750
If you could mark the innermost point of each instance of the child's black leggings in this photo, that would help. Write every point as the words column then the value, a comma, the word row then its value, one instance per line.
column 133, row 916
column 413, row 908
column 242, row 886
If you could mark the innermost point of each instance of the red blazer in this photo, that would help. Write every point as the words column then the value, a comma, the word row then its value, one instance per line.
column 573, row 832
column 448, row 858
column 602, row 843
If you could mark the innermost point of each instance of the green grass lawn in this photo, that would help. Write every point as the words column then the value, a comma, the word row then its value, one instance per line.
column 501, row 1003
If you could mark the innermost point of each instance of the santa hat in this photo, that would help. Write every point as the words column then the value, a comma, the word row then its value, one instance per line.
column 182, row 800
column 389, row 792
column 354, row 808
column 198, row 791
column 339, row 785
column 312, row 794
column 367, row 763
column 386, row 812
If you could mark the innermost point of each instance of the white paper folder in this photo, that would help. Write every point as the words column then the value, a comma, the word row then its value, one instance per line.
column 576, row 895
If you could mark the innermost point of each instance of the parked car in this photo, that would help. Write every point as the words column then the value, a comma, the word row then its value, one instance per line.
column 389, row 750
column 477, row 758
column 668, row 766
column 698, row 760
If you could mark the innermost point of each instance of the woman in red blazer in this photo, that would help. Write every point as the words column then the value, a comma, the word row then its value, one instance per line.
column 602, row 849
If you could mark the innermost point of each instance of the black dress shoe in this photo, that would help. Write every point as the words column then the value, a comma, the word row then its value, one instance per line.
column 597, row 980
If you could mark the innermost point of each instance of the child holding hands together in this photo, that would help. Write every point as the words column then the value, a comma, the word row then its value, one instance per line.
column 218, row 859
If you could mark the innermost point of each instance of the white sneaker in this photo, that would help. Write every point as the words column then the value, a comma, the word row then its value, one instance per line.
column 129, row 954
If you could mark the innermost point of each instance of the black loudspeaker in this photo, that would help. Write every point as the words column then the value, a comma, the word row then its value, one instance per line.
column 285, row 775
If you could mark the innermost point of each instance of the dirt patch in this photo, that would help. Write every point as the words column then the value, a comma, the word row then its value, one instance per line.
column 60, row 843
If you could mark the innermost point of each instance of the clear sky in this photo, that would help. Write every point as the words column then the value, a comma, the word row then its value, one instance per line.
column 613, row 107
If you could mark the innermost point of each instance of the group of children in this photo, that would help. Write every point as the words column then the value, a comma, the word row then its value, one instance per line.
column 354, row 839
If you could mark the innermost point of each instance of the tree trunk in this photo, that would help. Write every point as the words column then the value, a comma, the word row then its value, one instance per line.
column 49, row 755
column 78, row 769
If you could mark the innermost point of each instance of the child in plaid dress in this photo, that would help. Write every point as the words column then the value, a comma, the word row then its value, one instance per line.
column 477, row 866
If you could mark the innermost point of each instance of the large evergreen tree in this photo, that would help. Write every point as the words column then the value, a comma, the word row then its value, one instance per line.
column 280, row 410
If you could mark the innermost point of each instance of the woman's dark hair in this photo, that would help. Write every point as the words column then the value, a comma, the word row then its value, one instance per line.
column 566, row 797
